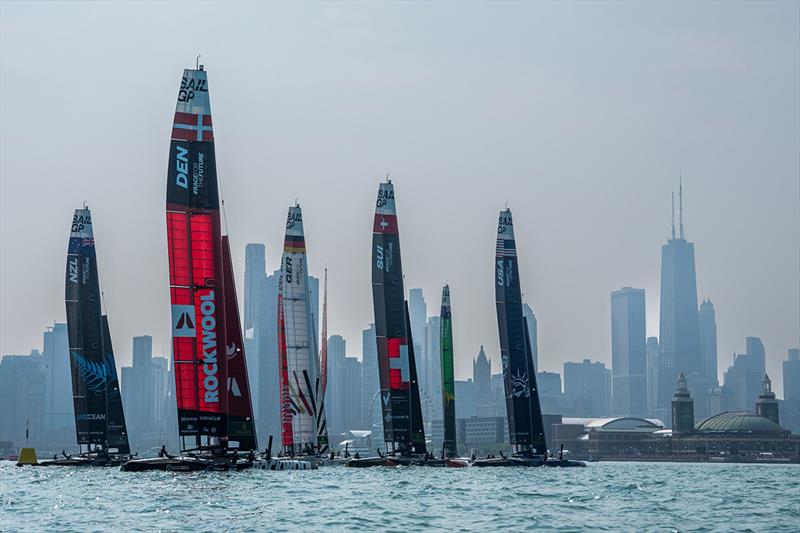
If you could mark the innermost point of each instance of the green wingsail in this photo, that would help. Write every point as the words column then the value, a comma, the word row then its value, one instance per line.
column 448, row 380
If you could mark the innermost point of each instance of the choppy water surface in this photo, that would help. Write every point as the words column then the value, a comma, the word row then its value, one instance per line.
column 604, row 496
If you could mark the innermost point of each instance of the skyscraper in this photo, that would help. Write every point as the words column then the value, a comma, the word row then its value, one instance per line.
column 791, row 391
column 59, row 423
column 418, row 315
column 527, row 312
column 482, row 378
column 255, row 268
column 587, row 388
column 335, row 399
column 708, row 342
column 370, row 384
column 629, row 363
column 432, row 388
column 679, row 328
column 743, row 380
column 651, row 354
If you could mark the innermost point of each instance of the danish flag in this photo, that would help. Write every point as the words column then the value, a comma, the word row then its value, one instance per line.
column 190, row 127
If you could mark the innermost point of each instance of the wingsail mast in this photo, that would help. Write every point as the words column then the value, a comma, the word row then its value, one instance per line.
column 99, row 418
column 309, row 432
column 323, row 352
column 400, row 403
column 450, row 447
column 525, row 426
column 196, row 274
column 241, row 427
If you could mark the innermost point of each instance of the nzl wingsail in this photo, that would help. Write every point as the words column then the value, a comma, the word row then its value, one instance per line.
column 213, row 395
column 400, row 402
column 525, row 425
column 303, row 423
column 99, row 418
column 448, row 379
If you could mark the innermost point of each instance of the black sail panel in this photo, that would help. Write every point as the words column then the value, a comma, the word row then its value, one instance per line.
column 418, row 445
column 537, row 422
column 90, row 369
column 117, row 431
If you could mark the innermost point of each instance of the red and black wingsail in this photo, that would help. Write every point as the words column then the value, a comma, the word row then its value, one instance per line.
column 400, row 404
column 525, row 427
column 196, row 266
column 241, row 427
column 99, row 420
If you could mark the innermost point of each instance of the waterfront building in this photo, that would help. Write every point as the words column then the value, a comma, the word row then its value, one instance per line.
column 587, row 389
column 682, row 409
column 533, row 330
column 482, row 378
column 679, row 325
column 767, row 405
column 628, row 356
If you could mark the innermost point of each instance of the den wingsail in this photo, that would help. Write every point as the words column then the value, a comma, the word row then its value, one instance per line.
column 99, row 418
column 523, row 409
column 215, row 419
column 303, row 424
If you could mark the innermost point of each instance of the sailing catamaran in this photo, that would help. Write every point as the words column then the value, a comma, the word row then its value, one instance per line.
column 215, row 414
column 99, row 418
column 449, row 448
column 304, row 430
column 525, row 424
column 401, row 409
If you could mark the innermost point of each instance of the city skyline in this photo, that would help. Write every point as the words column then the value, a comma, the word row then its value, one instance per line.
column 564, row 207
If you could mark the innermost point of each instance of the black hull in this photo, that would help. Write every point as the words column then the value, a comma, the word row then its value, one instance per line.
column 186, row 464
column 397, row 461
column 85, row 460
column 508, row 461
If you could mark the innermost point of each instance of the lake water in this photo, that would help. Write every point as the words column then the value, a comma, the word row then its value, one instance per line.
column 601, row 497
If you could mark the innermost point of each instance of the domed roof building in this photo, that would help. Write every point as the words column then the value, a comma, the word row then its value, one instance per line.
column 740, row 424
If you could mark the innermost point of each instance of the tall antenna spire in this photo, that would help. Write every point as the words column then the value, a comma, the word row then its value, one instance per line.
column 673, row 215
column 680, row 202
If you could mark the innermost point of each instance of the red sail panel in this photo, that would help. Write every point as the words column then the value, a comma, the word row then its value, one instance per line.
column 195, row 266
column 241, row 427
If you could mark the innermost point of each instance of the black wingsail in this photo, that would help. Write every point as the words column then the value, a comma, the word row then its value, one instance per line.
column 117, row 431
column 417, row 436
column 519, row 376
column 99, row 421
column 399, row 389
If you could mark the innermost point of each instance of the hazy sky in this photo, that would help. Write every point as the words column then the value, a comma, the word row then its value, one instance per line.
column 580, row 115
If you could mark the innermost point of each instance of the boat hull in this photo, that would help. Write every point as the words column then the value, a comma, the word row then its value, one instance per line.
column 186, row 464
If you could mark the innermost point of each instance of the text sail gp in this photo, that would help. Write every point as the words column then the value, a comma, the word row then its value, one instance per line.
column 197, row 289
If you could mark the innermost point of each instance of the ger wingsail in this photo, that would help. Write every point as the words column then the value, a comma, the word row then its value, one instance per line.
column 99, row 418
column 300, row 372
